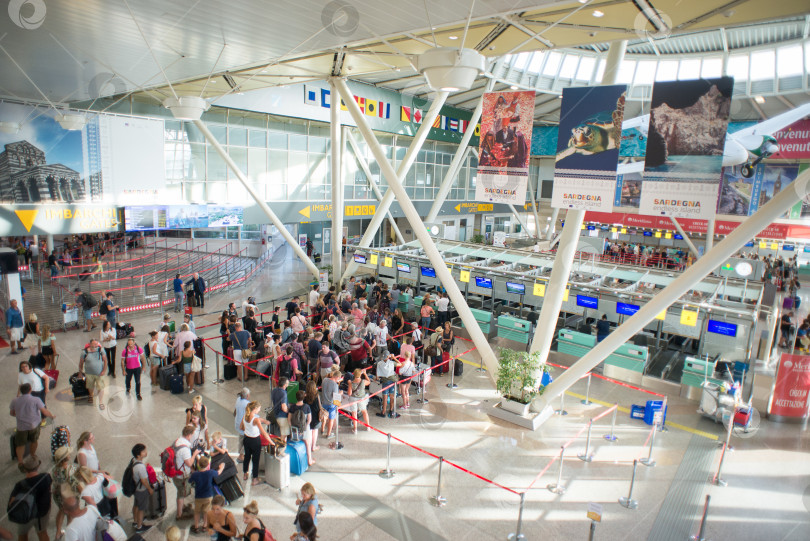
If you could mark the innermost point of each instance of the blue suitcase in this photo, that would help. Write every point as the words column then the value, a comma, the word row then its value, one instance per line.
column 298, row 457
column 176, row 384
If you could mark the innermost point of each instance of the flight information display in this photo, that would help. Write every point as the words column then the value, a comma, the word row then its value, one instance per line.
column 587, row 302
column 483, row 282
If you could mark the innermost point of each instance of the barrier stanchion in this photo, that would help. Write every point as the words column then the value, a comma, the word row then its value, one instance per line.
column 393, row 413
column 629, row 502
column 662, row 427
column 336, row 445
column 587, row 400
column 593, row 530
column 518, row 536
column 558, row 488
column 422, row 399
column 452, row 366
column 612, row 436
column 586, row 456
column 727, row 443
column 438, row 500
column 649, row 460
column 699, row 536
column 561, row 411
column 387, row 473
column 218, row 380
column 716, row 479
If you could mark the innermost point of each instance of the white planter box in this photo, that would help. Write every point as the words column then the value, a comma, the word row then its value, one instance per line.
column 515, row 407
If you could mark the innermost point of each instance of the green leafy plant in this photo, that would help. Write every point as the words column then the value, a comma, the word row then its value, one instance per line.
column 477, row 239
column 516, row 380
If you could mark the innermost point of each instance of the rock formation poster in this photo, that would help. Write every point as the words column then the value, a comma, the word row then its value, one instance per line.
column 588, row 147
column 504, row 147
column 685, row 141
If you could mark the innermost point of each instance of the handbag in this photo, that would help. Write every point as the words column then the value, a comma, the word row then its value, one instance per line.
column 265, row 441
column 196, row 364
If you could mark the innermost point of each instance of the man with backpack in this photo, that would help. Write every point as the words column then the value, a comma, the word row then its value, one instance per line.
column 136, row 484
column 86, row 303
column 109, row 309
column 177, row 462
column 30, row 501
column 92, row 366
column 278, row 398
column 286, row 367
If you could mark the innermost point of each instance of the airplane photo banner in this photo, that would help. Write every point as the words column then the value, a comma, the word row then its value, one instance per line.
column 588, row 148
column 685, row 142
column 504, row 147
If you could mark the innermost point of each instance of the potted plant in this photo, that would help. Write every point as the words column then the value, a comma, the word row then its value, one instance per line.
column 517, row 379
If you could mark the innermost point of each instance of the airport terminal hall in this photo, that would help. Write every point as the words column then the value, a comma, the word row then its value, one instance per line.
column 354, row 270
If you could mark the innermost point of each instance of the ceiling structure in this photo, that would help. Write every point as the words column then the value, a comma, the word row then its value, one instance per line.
column 74, row 52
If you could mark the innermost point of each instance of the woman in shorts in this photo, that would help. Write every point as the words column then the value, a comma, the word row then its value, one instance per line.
column 358, row 403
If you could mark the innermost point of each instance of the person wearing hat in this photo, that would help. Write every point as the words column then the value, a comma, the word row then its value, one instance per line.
column 64, row 471
column 38, row 485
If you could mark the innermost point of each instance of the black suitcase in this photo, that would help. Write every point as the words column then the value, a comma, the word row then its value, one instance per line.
column 78, row 386
column 37, row 361
column 191, row 300
column 164, row 375
column 458, row 368
column 317, row 257
column 231, row 488
column 176, row 384
column 157, row 501
column 229, row 371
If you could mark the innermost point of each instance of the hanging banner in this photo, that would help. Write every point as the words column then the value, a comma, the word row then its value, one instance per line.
column 685, row 141
column 792, row 386
column 588, row 148
column 504, row 147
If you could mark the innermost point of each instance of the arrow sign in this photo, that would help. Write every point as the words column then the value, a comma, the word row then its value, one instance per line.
column 458, row 208
column 305, row 211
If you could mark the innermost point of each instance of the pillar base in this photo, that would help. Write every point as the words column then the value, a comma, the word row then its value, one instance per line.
column 531, row 420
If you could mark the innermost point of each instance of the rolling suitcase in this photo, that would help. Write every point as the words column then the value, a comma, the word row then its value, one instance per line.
column 297, row 452
column 78, row 387
column 277, row 470
column 60, row 437
column 176, row 384
column 231, row 489
column 292, row 390
column 229, row 371
column 157, row 501
column 165, row 374
column 199, row 377
column 458, row 368
column 191, row 300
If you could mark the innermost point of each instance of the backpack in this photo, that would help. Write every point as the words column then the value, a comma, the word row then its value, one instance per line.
column 168, row 462
column 102, row 527
column 22, row 508
column 88, row 301
column 298, row 420
column 103, row 308
column 128, row 485
column 267, row 535
column 146, row 350
column 285, row 367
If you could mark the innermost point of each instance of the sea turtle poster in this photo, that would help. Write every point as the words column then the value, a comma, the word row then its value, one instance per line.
column 588, row 147
column 504, row 147
column 685, row 141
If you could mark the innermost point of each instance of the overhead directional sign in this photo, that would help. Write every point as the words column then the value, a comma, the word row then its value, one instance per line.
column 474, row 207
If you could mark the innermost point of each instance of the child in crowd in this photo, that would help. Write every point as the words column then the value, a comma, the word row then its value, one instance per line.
column 203, row 481
column 218, row 444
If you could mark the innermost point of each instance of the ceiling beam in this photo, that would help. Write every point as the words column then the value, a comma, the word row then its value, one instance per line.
column 710, row 14
column 758, row 109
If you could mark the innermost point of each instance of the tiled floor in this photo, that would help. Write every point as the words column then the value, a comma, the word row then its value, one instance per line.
column 768, row 496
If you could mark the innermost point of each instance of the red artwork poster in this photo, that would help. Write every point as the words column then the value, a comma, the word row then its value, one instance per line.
column 792, row 386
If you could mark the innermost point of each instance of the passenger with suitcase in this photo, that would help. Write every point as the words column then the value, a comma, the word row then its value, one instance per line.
column 93, row 365
column 143, row 490
column 242, row 401
column 300, row 417
column 199, row 287
column 253, row 426
column 280, row 408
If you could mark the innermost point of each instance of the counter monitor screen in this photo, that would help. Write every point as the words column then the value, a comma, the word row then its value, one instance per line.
column 678, row 236
column 722, row 327
column 359, row 258
column 591, row 227
column 788, row 247
column 749, row 244
column 587, row 302
column 627, row 309
column 482, row 282
column 648, row 233
column 403, row 267
column 428, row 272
column 517, row 289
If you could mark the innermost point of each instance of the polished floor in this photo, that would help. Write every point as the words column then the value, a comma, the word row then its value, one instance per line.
column 768, row 474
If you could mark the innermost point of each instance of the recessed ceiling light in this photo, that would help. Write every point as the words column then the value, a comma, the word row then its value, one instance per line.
column 583, row 1
column 514, row 87
column 452, row 37
column 491, row 47
column 759, row 99
column 264, row 71
column 560, row 96
column 597, row 13
column 397, row 69
column 213, row 81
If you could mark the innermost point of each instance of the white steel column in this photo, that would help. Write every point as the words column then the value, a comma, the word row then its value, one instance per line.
column 685, row 237
column 552, row 224
column 519, row 219
column 709, row 234
column 367, row 171
column 337, row 188
column 564, row 260
column 532, row 194
column 458, row 157
column 49, row 242
column 442, row 273
column 267, row 210
column 402, row 170
column 726, row 248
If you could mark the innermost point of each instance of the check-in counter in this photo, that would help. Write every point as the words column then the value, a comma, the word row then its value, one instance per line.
column 515, row 329
column 484, row 319
column 405, row 303
column 695, row 372
column 626, row 363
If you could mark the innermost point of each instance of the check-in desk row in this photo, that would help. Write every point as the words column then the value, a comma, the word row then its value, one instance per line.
column 627, row 363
